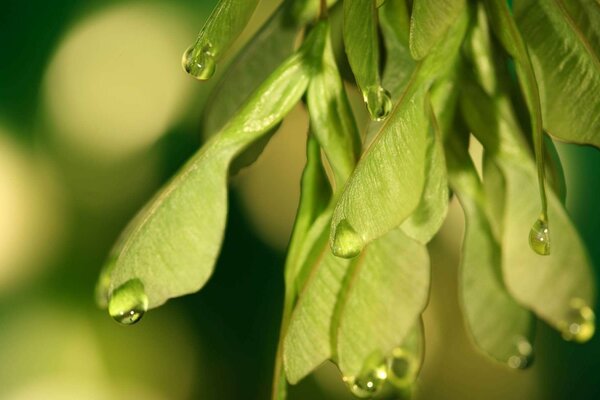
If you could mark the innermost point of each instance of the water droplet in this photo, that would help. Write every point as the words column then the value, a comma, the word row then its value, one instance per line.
column 199, row 64
column 580, row 323
column 539, row 237
column 347, row 243
column 128, row 302
column 379, row 102
column 367, row 384
column 402, row 368
column 523, row 356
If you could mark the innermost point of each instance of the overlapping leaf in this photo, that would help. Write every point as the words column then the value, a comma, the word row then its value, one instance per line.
column 563, row 37
column 173, row 244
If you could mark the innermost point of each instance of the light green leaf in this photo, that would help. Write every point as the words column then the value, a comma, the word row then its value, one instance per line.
column 429, row 215
column 223, row 26
column 331, row 118
column 362, row 47
column 497, row 323
column 505, row 28
column 388, row 181
column 386, row 290
column 429, row 21
column 172, row 245
column 564, row 41
column 558, row 286
column 273, row 43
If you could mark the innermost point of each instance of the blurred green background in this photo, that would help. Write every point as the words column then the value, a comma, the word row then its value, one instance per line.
column 95, row 114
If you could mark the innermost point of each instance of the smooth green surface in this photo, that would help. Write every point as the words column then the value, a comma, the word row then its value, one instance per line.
column 173, row 244
column 544, row 284
column 388, row 181
column 386, row 290
column 495, row 321
column 429, row 215
column 563, row 37
column 260, row 56
column 429, row 22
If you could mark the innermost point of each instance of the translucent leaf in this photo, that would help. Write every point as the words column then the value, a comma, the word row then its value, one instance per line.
column 497, row 323
column 564, row 41
column 393, row 167
column 548, row 285
column 386, row 290
column 430, row 20
column 223, row 26
column 504, row 26
column 172, row 245
column 429, row 215
column 331, row 118
column 362, row 47
column 252, row 65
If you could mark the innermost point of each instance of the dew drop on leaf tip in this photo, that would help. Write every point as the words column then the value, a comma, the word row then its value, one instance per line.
column 367, row 384
column 539, row 237
column 346, row 243
column 199, row 64
column 523, row 356
column 402, row 368
column 128, row 302
column 579, row 324
column 379, row 102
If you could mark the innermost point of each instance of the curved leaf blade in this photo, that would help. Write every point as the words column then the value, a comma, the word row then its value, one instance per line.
column 387, row 289
column 429, row 21
column 499, row 326
column 564, row 41
column 173, row 244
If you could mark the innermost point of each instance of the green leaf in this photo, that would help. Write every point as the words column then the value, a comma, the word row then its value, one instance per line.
column 272, row 44
column 505, row 28
column 362, row 47
column 393, row 167
column 497, row 323
column 556, row 287
column 386, row 290
column 563, row 37
column 429, row 215
column 172, row 245
column 223, row 26
column 331, row 118
column 429, row 21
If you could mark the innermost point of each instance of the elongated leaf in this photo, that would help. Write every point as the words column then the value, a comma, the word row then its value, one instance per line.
column 393, row 167
column 331, row 118
column 505, row 28
column 273, row 43
column 497, row 323
column 362, row 47
column 429, row 21
column 173, row 244
column 548, row 285
column 387, row 289
column 223, row 26
column 429, row 215
column 564, row 41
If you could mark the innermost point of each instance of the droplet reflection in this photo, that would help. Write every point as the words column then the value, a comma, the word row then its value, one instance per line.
column 199, row 64
column 523, row 356
column 539, row 237
column 369, row 383
column 402, row 368
column 379, row 102
column 580, row 323
column 128, row 302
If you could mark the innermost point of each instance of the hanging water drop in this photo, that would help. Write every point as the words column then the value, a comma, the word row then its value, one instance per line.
column 523, row 356
column 128, row 302
column 539, row 237
column 379, row 102
column 402, row 368
column 199, row 64
column 580, row 323
column 367, row 384
column 346, row 243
